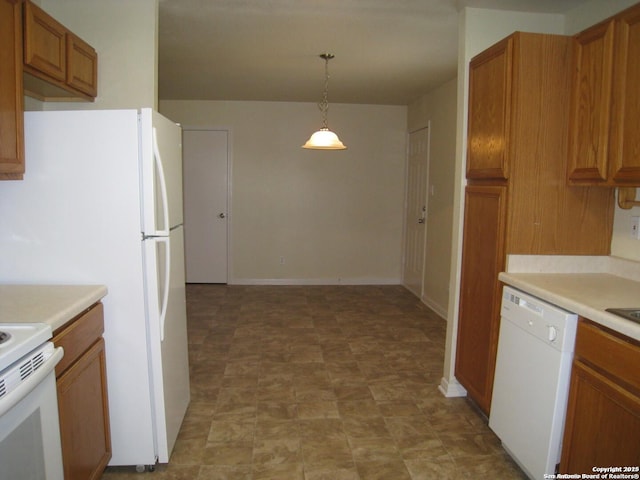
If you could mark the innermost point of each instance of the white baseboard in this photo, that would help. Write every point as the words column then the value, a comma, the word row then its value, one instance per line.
column 439, row 309
column 315, row 281
column 451, row 388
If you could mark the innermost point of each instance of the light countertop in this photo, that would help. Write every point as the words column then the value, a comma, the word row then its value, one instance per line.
column 587, row 294
column 51, row 304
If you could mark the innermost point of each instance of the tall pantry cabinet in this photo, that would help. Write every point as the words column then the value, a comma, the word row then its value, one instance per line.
column 517, row 200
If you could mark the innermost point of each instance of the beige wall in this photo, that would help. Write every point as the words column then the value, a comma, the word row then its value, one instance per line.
column 592, row 12
column 336, row 217
column 124, row 33
column 437, row 109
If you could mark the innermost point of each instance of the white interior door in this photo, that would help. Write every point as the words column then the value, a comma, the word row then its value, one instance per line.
column 416, row 210
column 205, row 163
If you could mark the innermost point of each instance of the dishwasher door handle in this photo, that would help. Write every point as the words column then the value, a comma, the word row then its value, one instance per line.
column 553, row 333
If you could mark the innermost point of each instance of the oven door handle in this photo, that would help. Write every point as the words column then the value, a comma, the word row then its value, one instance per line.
column 25, row 388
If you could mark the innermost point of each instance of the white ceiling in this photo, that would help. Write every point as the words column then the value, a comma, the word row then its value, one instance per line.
column 386, row 51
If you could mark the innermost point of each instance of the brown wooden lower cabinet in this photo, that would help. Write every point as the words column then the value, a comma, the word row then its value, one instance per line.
column 603, row 415
column 483, row 258
column 82, row 397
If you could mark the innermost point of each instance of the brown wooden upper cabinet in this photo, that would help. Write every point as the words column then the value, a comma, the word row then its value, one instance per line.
column 604, row 144
column 57, row 63
column 489, row 112
column 11, row 119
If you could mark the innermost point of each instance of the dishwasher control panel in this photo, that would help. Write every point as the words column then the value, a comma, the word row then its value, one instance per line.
column 545, row 321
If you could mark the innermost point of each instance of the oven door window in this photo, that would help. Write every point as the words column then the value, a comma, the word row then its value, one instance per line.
column 30, row 436
column 21, row 452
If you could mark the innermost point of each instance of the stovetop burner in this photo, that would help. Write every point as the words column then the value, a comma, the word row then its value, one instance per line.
column 18, row 339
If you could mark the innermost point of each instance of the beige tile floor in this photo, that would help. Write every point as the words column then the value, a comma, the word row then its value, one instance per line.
column 322, row 382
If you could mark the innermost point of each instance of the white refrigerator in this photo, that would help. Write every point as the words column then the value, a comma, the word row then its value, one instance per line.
column 101, row 203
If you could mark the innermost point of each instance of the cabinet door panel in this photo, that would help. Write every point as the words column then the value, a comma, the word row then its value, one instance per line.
column 625, row 119
column 82, row 65
column 482, row 259
column 591, row 104
column 44, row 42
column 489, row 112
column 84, row 418
column 603, row 421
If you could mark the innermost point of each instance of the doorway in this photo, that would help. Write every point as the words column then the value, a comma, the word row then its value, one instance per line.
column 416, row 211
column 206, row 173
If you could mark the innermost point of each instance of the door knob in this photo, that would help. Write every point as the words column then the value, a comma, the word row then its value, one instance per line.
column 221, row 215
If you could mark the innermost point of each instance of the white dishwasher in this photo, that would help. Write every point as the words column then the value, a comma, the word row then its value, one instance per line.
column 531, row 385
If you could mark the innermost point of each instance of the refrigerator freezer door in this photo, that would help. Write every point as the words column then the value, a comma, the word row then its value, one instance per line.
column 167, row 336
column 161, row 151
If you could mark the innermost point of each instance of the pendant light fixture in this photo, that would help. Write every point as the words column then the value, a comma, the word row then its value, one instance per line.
column 325, row 139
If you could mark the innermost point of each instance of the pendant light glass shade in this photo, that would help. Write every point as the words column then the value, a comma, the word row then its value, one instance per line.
column 325, row 139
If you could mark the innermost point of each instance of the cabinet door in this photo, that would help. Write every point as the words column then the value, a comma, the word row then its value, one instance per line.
column 483, row 258
column 44, row 42
column 11, row 119
column 624, row 143
column 489, row 112
column 603, row 422
column 591, row 105
column 82, row 65
column 84, row 418
column 58, row 65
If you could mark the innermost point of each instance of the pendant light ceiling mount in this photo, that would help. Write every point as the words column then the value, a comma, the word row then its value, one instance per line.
column 327, row 56
column 325, row 139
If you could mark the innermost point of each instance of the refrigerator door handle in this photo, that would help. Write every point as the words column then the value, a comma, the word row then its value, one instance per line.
column 167, row 283
column 157, row 160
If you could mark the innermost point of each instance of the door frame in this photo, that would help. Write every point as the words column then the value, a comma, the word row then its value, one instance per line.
column 229, row 130
column 406, row 206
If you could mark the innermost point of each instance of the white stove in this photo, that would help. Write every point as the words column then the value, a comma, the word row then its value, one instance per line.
column 18, row 339
column 30, row 445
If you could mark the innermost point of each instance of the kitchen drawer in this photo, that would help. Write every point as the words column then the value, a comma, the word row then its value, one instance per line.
column 77, row 336
column 615, row 354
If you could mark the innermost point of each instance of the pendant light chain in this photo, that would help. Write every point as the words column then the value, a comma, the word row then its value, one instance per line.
column 324, row 105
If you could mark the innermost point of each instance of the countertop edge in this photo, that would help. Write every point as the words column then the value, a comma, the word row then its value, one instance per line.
column 54, row 305
column 81, row 304
column 537, row 285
